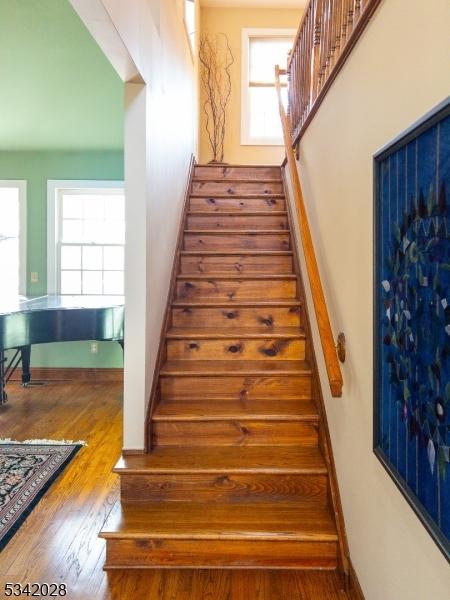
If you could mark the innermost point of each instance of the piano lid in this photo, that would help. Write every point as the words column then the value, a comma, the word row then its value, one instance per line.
column 19, row 304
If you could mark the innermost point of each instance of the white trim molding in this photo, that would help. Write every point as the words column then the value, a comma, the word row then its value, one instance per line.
column 21, row 185
column 53, row 219
column 247, row 33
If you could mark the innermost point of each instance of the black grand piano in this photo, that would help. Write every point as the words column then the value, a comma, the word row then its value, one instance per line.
column 46, row 319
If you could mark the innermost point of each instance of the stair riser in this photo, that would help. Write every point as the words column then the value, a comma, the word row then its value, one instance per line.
column 214, row 204
column 235, row 433
column 230, row 188
column 224, row 222
column 237, row 387
column 233, row 487
column 250, row 173
column 217, row 289
column 251, row 265
column 236, row 318
column 236, row 242
column 238, row 349
column 141, row 553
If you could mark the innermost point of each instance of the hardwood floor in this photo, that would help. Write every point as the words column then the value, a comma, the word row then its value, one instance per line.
column 59, row 541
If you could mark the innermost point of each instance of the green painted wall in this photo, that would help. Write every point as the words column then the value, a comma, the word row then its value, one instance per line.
column 61, row 117
column 36, row 168
column 57, row 89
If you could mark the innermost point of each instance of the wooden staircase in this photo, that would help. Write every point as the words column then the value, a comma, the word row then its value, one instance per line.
column 239, row 472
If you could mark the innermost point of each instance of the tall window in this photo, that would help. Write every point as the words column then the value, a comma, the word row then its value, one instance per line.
column 262, row 49
column 86, row 238
column 12, row 238
column 189, row 22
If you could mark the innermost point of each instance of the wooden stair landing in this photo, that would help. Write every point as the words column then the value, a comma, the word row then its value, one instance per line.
column 236, row 475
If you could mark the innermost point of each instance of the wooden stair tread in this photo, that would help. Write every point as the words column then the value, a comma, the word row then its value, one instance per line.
column 235, row 213
column 225, row 459
column 240, row 166
column 236, row 276
column 198, row 179
column 208, row 368
column 212, row 409
column 236, row 253
column 182, row 333
column 223, row 232
column 240, row 196
column 278, row 302
column 303, row 520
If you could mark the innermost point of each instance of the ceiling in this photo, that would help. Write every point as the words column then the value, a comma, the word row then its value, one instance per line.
column 57, row 89
column 256, row 3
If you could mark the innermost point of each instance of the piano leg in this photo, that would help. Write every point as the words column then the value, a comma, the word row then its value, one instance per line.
column 25, row 352
column 3, row 395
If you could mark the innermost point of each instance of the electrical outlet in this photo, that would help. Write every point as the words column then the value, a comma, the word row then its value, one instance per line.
column 94, row 348
column 34, row 277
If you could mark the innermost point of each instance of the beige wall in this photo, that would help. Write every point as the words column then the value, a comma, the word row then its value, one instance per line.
column 398, row 71
column 231, row 21
column 160, row 137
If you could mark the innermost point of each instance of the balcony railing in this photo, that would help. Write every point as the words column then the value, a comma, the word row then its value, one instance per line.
column 328, row 32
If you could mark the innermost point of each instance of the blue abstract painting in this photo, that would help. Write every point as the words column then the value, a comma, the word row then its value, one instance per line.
column 412, row 318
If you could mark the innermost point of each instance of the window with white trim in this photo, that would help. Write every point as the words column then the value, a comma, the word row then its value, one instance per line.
column 13, row 233
column 262, row 50
column 190, row 22
column 86, row 222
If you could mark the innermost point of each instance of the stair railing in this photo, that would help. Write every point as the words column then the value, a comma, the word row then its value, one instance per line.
column 328, row 32
column 330, row 349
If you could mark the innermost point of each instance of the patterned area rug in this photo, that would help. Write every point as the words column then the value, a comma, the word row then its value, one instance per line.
column 27, row 470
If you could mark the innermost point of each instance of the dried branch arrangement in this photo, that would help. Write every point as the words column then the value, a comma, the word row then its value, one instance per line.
column 216, row 59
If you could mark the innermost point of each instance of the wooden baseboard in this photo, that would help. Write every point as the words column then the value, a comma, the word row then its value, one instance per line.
column 133, row 452
column 71, row 374
column 355, row 590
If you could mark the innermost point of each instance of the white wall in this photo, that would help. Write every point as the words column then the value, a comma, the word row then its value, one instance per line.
column 231, row 21
column 398, row 71
column 160, row 138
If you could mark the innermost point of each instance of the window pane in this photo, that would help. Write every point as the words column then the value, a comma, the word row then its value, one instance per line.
column 9, row 241
column 113, row 258
column 114, row 232
column 9, row 212
column 92, row 282
column 9, row 266
column 71, row 282
column 264, row 115
column 265, row 53
column 93, row 231
column 72, row 208
column 115, row 207
column 189, row 15
column 92, row 258
column 72, row 230
column 93, row 222
column 70, row 257
column 94, row 206
column 113, row 283
column 8, row 249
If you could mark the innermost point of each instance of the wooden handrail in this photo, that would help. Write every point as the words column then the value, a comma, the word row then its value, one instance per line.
column 328, row 31
column 320, row 307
